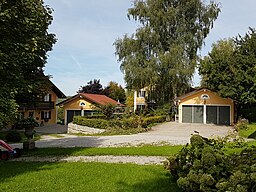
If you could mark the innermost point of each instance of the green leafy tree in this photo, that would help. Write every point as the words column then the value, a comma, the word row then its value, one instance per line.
column 115, row 91
column 230, row 68
column 93, row 87
column 24, row 44
column 162, row 54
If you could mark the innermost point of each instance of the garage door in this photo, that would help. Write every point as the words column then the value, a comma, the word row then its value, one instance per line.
column 192, row 114
column 218, row 115
column 71, row 114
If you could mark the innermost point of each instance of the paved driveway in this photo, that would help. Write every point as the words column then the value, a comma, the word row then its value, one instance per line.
column 166, row 133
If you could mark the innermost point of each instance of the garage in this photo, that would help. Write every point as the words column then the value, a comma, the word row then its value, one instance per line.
column 72, row 113
column 192, row 114
column 205, row 106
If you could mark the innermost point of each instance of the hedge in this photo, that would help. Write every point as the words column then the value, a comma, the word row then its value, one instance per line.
column 132, row 122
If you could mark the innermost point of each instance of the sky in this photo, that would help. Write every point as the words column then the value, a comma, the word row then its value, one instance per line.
column 87, row 29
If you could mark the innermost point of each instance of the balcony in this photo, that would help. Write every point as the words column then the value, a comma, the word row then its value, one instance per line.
column 43, row 105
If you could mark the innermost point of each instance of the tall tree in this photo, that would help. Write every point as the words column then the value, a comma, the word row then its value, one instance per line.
column 162, row 54
column 230, row 68
column 24, row 44
column 115, row 91
column 93, row 87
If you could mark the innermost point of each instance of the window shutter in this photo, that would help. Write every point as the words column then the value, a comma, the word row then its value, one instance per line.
column 50, row 97
column 50, row 114
column 42, row 115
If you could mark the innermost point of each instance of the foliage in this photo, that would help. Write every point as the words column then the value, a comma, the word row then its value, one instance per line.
column 95, row 123
column 230, row 68
column 242, row 124
column 93, row 87
column 161, row 55
column 115, row 91
column 8, row 110
column 107, row 110
column 13, row 136
column 24, row 45
column 203, row 166
column 27, row 122
column 60, row 115
column 103, row 177
column 125, row 123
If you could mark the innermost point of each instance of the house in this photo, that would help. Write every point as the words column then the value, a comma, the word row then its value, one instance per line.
column 45, row 110
column 205, row 106
column 140, row 102
column 84, row 104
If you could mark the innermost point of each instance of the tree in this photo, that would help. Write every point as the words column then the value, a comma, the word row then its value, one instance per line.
column 93, row 87
column 162, row 54
column 115, row 91
column 24, row 45
column 230, row 68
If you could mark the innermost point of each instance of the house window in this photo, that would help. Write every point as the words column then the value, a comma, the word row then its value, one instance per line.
column 141, row 93
column 47, row 98
column 46, row 115
column 31, row 114
column 21, row 115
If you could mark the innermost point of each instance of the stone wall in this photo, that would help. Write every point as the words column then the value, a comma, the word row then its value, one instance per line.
column 73, row 128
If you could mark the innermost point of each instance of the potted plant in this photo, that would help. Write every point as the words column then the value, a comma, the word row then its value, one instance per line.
column 28, row 124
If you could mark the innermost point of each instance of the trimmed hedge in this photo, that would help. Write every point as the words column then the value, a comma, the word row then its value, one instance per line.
column 132, row 122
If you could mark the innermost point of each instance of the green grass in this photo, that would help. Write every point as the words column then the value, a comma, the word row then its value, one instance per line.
column 143, row 150
column 98, row 177
column 249, row 131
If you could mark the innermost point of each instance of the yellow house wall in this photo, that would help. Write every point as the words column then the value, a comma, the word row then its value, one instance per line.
column 214, row 100
column 37, row 113
column 140, row 100
column 74, row 105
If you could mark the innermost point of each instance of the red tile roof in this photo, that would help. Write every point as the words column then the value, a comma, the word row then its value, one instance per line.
column 94, row 98
column 100, row 99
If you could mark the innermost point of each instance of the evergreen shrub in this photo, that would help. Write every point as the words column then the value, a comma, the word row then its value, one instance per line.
column 125, row 123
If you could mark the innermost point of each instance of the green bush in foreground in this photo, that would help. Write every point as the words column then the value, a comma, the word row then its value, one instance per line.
column 203, row 166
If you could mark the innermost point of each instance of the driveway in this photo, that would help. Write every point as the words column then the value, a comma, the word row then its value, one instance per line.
column 166, row 133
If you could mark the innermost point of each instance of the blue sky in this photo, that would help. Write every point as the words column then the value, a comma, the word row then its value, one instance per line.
column 87, row 29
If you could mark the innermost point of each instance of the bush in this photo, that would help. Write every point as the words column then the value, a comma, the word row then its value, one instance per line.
column 203, row 166
column 132, row 122
column 242, row 124
column 95, row 123
column 13, row 136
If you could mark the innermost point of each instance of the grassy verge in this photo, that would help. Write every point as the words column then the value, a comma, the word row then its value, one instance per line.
column 249, row 131
column 143, row 150
column 101, row 177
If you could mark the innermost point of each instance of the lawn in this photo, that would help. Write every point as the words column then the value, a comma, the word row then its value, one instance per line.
column 143, row 151
column 249, row 131
column 98, row 177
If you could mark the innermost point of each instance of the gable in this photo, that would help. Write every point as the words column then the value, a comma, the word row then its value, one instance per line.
column 204, row 96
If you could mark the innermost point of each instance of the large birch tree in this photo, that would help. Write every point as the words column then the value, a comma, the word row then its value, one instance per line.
column 162, row 54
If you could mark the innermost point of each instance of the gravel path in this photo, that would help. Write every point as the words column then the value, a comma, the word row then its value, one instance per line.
column 167, row 133
column 139, row 160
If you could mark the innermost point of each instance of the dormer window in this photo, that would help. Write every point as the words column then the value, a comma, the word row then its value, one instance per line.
column 141, row 93
column 47, row 98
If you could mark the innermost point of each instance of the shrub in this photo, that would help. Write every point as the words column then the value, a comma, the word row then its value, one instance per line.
column 203, row 166
column 95, row 123
column 132, row 122
column 13, row 136
column 242, row 124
